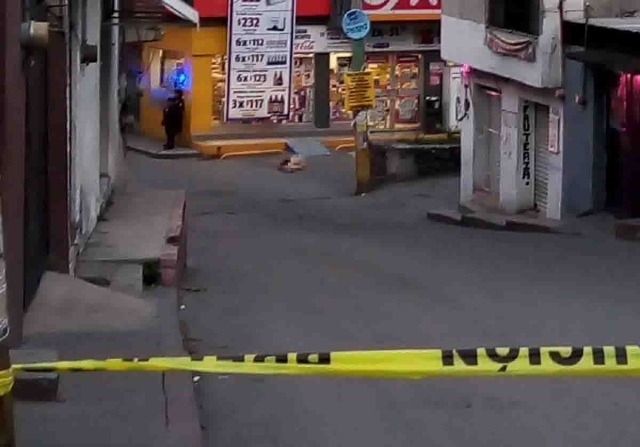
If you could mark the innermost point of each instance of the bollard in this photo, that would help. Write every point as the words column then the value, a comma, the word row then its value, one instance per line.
column 7, row 426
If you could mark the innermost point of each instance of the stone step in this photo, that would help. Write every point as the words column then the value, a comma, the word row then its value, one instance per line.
column 446, row 216
column 125, row 278
column 628, row 230
column 35, row 387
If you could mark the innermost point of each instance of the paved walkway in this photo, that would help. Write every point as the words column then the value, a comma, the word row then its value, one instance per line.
column 296, row 262
column 154, row 149
column 82, row 321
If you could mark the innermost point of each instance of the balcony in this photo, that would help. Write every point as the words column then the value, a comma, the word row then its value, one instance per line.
column 534, row 60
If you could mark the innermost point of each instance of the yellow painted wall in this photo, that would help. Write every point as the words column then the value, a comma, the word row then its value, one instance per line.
column 198, row 47
column 210, row 40
column 201, row 110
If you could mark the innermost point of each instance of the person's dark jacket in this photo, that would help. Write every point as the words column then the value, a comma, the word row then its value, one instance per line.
column 172, row 116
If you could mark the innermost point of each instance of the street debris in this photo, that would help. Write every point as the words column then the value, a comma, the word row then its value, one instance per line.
column 292, row 164
column 193, row 289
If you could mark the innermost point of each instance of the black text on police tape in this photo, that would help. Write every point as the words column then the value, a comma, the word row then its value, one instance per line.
column 534, row 356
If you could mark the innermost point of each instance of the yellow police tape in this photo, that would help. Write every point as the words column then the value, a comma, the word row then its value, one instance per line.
column 410, row 364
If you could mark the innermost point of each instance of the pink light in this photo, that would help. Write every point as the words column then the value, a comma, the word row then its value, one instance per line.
column 466, row 74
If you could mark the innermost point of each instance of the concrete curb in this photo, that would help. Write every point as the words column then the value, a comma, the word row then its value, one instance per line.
column 221, row 149
column 496, row 222
column 450, row 217
column 35, row 387
column 628, row 230
column 176, row 154
column 174, row 252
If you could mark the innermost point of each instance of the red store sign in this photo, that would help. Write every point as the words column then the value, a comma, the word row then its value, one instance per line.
column 305, row 8
column 402, row 6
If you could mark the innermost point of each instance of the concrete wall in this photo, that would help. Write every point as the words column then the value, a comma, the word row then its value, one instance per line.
column 94, row 126
column 514, row 195
column 463, row 42
column 612, row 8
column 474, row 10
column 452, row 90
column 574, row 9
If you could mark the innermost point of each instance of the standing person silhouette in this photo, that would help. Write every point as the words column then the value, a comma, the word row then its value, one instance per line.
column 172, row 118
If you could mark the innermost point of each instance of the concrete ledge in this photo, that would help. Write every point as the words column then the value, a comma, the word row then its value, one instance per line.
column 450, row 217
column 526, row 225
column 174, row 253
column 176, row 220
column 485, row 221
column 174, row 154
column 223, row 148
column 240, row 147
column 126, row 278
column 154, row 148
column 339, row 143
column 628, row 230
column 35, row 387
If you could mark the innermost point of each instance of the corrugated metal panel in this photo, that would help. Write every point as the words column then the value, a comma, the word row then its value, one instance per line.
column 157, row 10
column 542, row 155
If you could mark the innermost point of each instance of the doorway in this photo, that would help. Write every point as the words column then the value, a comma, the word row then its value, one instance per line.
column 486, row 159
column 622, row 142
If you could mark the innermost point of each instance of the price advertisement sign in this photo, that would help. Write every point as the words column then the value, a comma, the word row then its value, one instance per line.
column 360, row 90
column 260, row 50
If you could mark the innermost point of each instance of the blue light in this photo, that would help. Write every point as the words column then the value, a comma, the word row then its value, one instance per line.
column 179, row 79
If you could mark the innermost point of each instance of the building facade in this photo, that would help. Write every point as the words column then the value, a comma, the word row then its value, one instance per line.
column 602, row 86
column 402, row 50
column 510, row 109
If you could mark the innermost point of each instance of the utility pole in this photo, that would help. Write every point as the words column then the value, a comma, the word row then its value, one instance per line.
column 12, row 147
column 7, row 427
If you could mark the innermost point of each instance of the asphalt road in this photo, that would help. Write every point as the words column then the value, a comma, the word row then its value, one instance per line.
column 295, row 262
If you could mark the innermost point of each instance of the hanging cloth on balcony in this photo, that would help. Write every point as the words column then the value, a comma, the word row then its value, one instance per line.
column 509, row 44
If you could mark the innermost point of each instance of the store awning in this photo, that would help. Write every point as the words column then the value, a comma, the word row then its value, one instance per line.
column 612, row 43
column 607, row 59
column 182, row 10
column 155, row 11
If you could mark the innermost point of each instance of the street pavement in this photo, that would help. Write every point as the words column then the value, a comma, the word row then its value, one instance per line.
column 294, row 262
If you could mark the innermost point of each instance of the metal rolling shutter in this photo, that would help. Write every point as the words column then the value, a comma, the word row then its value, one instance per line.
column 542, row 155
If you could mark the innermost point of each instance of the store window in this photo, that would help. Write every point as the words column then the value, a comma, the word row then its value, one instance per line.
column 219, row 83
column 303, row 87
column 339, row 64
column 397, row 84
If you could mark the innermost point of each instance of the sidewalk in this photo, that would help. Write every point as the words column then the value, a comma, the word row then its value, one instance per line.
column 83, row 321
column 144, row 232
column 154, row 149
column 597, row 226
column 140, row 238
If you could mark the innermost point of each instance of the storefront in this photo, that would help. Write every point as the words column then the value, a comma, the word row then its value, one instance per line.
column 603, row 122
column 514, row 159
column 404, row 55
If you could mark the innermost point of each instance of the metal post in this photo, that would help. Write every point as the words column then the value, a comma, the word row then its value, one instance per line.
column 7, row 428
column 12, row 147
column 363, row 156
